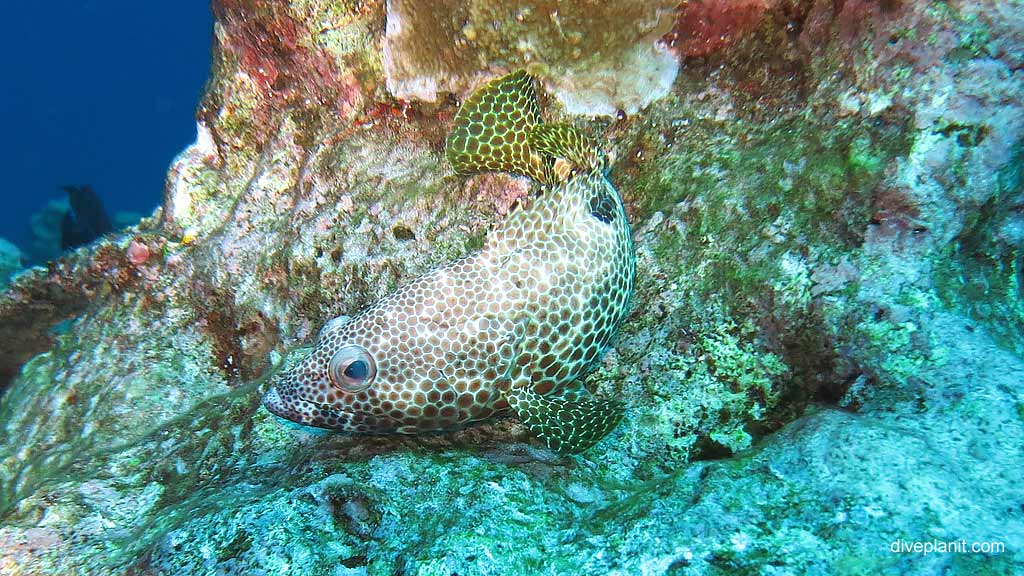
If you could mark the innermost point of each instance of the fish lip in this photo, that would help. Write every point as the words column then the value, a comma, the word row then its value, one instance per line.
column 273, row 403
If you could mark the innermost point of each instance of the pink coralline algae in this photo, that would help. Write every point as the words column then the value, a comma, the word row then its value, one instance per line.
column 275, row 50
column 705, row 26
column 138, row 253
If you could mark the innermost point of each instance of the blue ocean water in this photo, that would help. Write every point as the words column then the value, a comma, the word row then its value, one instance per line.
column 100, row 93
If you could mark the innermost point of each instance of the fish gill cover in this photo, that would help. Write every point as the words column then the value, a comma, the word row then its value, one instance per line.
column 822, row 360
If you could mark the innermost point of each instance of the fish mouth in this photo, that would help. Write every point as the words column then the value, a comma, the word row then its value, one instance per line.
column 305, row 412
column 273, row 403
column 295, row 408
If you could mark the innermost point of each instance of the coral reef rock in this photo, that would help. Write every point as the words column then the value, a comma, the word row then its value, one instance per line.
column 595, row 57
column 821, row 369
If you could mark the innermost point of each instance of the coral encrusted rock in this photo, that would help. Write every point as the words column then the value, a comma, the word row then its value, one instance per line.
column 595, row 57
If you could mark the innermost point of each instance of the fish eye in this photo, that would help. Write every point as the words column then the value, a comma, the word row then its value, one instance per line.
column 357, row 370
column 352, row 369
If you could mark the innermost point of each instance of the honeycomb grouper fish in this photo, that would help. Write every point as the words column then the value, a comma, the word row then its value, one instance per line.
column 513, row 327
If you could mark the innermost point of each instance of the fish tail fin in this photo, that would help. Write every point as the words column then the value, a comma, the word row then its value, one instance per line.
column 569, row 149
column 492, row 130
column 568, row 423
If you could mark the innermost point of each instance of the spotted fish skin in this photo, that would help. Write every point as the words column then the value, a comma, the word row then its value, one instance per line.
column 512, row 327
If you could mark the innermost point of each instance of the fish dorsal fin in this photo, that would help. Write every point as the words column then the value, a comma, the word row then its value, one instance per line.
column 567, row 423
column 492, row 129
column 569, row 149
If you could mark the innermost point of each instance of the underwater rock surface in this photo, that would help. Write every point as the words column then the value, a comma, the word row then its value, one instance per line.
column 823, row 358
column 596, row 57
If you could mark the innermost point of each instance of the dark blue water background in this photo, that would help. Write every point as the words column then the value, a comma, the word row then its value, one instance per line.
column 99, row 92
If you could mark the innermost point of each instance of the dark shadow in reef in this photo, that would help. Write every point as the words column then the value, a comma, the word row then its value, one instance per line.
column 32, row 307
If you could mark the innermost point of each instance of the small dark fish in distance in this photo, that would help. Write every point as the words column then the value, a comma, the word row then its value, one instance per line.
column 86, row 221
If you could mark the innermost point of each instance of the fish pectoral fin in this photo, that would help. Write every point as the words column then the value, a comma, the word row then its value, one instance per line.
column 569, row 149
column 492, row 128
column 567, row 423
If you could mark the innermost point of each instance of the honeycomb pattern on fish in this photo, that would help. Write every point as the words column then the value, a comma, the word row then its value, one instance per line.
column 513, row 326
column 494, row 135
